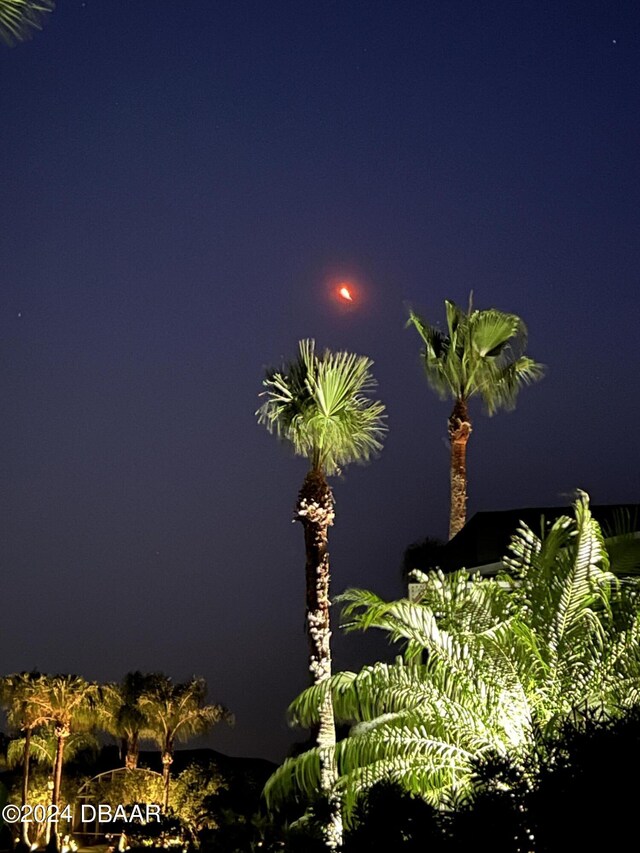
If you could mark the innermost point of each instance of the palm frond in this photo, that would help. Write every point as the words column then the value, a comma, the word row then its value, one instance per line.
column 623, row 543
column 482, row 355
column 321, row 405
column 499, row 385
column 492, row 331
column 484, row 668
column 176, row 712
column 18, row 18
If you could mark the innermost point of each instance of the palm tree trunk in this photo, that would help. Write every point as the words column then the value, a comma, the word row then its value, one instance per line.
column 315, row 510
column 24, row 826
column 459, row 432
column 131, row 752
column 167, row 761
column 53, row 844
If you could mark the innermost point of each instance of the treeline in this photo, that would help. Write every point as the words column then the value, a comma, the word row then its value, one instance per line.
column 55, row 716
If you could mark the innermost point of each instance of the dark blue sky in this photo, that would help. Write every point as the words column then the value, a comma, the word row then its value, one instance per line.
column 180, row 185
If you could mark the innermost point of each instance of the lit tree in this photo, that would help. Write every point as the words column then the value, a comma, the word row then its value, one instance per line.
column 177, row 712
column 122, row 716
column 481, row 355
column 320, row 404
column 18, row 18
column 17, row 694
column 505, row 660
column 69, row 703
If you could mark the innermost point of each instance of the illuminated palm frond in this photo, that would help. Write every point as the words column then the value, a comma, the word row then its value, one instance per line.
column 177, row 712
column 481, row 355
column 320, row 404
column 18, row 18
column 42, row 748
column 486, row 664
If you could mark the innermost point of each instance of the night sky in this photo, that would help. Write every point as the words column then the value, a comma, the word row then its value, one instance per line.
column 181, row 186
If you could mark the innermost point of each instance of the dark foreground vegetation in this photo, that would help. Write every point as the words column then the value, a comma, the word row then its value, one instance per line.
column 576, row 792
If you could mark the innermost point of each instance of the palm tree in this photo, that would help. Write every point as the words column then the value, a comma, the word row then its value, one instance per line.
column 481, row 355
column 43, row 749
column 320, row 405
column 69, row 703
column 19, row 17
column 17, row 694
column 176, row 712
column 122, row 716
column 555, row 639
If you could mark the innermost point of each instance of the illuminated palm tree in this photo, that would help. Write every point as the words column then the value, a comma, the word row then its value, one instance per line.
column 17, row 694
column 554, row 641
column 19, row 17
column 177, row 712
column 320, row 405
column 69, row 703
column 482, row 355
column 122, row 716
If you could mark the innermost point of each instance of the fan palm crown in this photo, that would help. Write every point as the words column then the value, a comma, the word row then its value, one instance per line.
column 481, row 355
column 319, row 404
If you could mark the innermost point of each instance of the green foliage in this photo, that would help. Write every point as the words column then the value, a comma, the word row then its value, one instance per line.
column 42, row 747
column 127, row 787
column 191, row 793
column 40, row 786
column 18, row 18
column 485, row 664
column 121, row 714
column 21, row 694
column 320, row 404
column 188, row 801
column 481, row 355
column 176, row 712
column 67, row 701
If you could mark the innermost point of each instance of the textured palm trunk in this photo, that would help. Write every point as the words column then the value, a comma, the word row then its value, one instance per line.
column 459, row 432
column 26, row 760
column 62, row 732
column 167, row 761
column 131, row 752
column 315, row 510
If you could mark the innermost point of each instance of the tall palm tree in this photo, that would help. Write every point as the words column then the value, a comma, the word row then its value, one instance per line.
column 320, row 404
column 69, row 703
column 19, row 17
column 556, row 638
column 482, row 355
column 122, row 716
column 17, row 694
column 176, row 712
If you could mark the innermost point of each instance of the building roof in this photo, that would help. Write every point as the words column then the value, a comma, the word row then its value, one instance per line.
column 485, row 538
